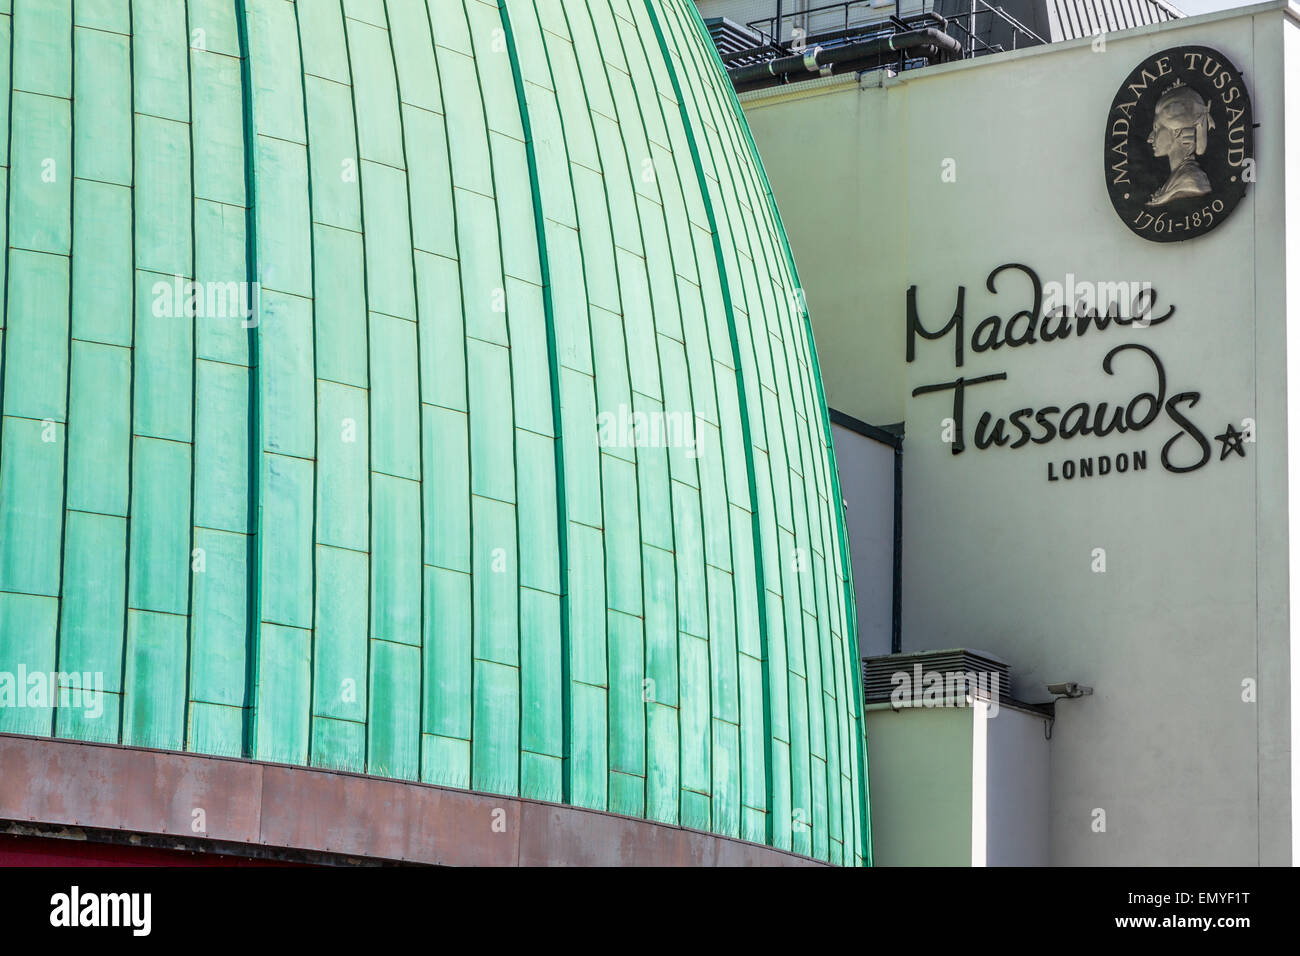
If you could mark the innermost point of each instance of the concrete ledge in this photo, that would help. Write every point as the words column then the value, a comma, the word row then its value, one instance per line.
column 108, row 787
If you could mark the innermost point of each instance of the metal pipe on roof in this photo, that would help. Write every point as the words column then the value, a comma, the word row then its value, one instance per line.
column 927, row 42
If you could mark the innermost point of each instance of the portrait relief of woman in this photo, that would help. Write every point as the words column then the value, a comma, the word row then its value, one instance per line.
column 1179, row 131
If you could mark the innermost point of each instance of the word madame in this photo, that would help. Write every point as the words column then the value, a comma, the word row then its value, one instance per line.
column 1032, row 324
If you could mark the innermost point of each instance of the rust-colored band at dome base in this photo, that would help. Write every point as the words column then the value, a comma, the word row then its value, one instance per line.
column 274, row 806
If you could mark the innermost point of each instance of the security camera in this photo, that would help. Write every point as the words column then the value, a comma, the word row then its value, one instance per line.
column 1069, row 689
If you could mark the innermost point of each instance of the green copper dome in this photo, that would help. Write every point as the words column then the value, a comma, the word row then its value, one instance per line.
column 420, row 389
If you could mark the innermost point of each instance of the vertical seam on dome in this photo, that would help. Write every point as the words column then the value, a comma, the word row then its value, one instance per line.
column 552, row 354
column 708, row 637
column 419, row 384
column 8, row 166
column 499, row 785
column 186, row 705
column 755, row 311
column 370, row 405
column 741, row 187
column 559, row 391
column 722, row 471
column 823, row 471
column 494, row 784
column 615, row 247
column 464, row 358
column 796, row 376
column 130, row 438
column 514, row 430
column 252, row 266
column 742, row 401
column 67, row 391
column 676, row 707
column 600, row 453
column 631, row 390
column 758, row 311
column 848, row 603
column 315, row 394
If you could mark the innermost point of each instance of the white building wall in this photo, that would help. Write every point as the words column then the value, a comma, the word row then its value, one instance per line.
column 1191, row 611
column 1018, row 786
column 1290, row 258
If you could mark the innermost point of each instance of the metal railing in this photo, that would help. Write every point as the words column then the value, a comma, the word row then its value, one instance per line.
column 851, row 21
column 976, row 45
column 771, row 28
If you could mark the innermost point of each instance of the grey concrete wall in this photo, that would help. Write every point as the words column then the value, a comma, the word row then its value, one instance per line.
column 867, row 485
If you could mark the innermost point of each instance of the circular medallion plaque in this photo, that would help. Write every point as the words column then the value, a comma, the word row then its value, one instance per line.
column 1179, row 144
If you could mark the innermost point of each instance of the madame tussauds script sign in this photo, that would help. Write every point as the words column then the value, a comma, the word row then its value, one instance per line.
column 1134, row 389
column 1179, row 144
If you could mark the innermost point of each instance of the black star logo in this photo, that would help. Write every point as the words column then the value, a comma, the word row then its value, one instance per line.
column 1230, row 441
